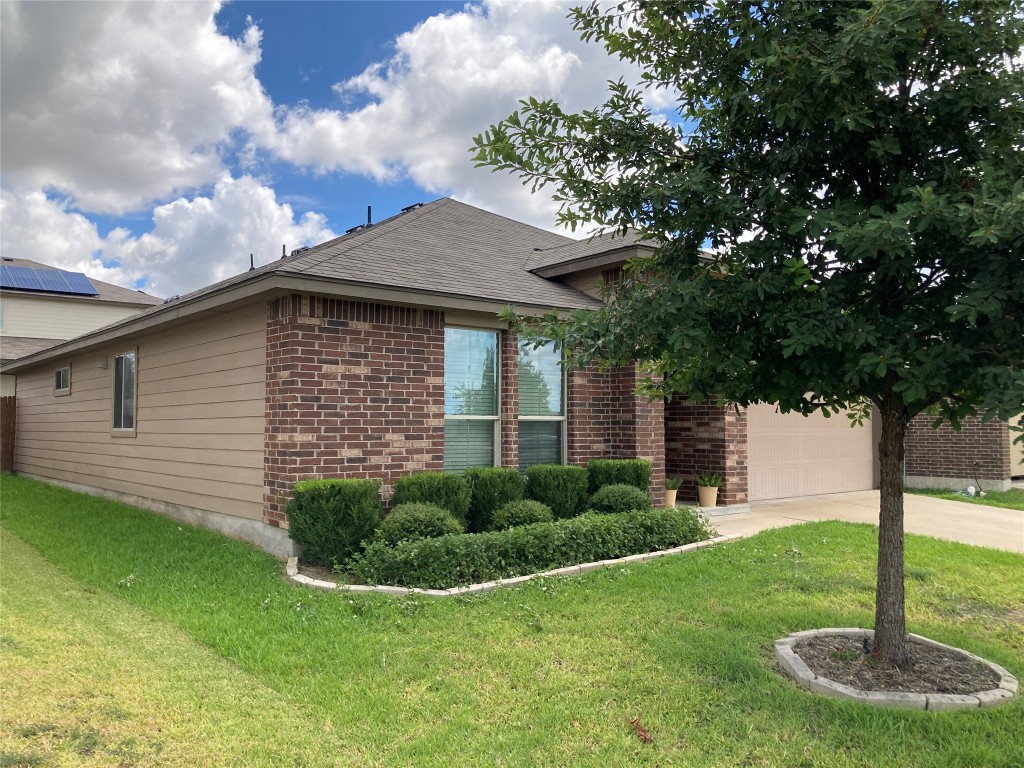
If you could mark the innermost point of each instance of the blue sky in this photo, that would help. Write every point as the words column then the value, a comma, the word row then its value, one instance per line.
column 157, row 145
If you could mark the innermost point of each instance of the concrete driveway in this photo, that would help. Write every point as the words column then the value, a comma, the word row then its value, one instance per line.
column 941, row 518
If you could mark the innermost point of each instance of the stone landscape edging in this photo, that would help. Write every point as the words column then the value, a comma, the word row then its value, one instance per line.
column 795, row 668
column 292, row 571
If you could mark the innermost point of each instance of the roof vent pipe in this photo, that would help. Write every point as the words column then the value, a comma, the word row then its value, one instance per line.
column 252, row 264
column 284, row 251
column 369, row 215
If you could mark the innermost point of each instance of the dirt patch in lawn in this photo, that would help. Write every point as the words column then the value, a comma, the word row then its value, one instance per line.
column 935, row 670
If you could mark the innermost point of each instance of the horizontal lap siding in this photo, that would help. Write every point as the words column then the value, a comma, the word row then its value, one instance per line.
column 200, row 418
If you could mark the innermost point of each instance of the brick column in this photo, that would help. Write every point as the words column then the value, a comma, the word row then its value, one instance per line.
column 607, row 420
column 353, row 390
column 509, row 399
column 705, row 437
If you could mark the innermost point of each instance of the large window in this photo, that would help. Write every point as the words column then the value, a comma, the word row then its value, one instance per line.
column 124, row 390
column 541, row 406
column 470, row 398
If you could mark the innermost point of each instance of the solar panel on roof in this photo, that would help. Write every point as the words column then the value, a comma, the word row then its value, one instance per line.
column 48, row 280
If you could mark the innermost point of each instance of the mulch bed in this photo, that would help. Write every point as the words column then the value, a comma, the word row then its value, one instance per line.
column 935, row 670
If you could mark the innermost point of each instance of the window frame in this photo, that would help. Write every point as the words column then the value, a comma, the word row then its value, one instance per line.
column 563, row 433
column 131, row 431
column 59, row 391
column 496, row 458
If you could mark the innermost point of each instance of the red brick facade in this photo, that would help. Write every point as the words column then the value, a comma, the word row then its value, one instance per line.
column 607, row 421
column 979, row 451
column 353, row 390
column 357, row 390
column 707, row 438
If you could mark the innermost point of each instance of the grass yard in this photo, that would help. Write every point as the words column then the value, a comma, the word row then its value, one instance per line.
column 128, row 639
column 1011, row 499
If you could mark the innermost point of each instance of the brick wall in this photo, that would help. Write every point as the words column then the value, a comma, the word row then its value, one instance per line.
column 607, row 421
column 980, row 451
column 357, row 390
column 707, row 438
column 353, row 390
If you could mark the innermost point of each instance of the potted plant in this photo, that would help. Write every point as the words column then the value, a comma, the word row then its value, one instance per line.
column 707, row 488
column 671, row 488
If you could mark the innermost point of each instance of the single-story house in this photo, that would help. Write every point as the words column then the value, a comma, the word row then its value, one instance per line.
column 378, row 354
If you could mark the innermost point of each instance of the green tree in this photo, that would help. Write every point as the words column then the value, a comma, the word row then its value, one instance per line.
column 839, row 205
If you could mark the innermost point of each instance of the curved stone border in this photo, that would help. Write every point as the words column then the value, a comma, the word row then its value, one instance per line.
column 292, row 569
column 795, row 667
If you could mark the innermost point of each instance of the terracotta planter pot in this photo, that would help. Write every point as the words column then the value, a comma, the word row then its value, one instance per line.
column 670, row 498
column 708, row 496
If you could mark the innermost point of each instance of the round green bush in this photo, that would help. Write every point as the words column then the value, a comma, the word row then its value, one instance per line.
column 619, row 498
column 416, row 520
column 523, row 512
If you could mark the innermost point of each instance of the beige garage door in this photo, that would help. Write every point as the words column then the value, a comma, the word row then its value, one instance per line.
column 794, row 455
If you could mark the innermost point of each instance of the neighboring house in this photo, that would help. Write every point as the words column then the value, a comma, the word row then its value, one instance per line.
column 378, row 354
column 41, row 305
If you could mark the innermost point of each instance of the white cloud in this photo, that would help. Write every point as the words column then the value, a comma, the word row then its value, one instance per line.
column 200, row 241
column 449, row 79
column 193, row 242
column 119, row 105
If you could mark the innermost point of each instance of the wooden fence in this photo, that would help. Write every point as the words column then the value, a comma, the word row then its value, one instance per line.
column 8, row 419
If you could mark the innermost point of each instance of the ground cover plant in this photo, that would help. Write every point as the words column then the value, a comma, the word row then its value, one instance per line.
column 1011, row 499
column 550, row 673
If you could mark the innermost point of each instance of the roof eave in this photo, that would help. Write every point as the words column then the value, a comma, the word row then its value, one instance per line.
column 602, row 259
column 278, row 283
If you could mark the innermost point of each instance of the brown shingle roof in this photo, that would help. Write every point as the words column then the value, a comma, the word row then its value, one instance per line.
column 13, row 347
column 581, row 249
column 107, row 291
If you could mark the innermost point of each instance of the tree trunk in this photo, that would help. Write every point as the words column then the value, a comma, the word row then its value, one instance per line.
column 890, row 614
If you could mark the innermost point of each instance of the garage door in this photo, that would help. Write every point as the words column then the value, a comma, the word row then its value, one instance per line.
column 789, row 454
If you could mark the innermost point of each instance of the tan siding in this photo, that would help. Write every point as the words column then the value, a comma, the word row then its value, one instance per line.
column 47, row 317
column 200, row 417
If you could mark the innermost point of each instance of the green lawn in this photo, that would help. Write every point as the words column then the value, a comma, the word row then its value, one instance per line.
column 1011, row 499
column 128, row 639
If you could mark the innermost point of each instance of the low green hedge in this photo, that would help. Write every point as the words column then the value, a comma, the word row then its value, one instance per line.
column 619, row 497
column 635, row 472
column 522, row 512
column 416, row 520
column 563, row 488
column 330, row 517
column 446, row 490
column 473, row 558
column 491, row 488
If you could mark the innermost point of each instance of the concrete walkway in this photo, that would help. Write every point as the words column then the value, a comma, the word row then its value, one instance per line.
column 941, row 518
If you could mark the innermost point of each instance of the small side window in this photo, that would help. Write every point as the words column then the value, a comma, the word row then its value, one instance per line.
column 124, row 392
column 62, row 381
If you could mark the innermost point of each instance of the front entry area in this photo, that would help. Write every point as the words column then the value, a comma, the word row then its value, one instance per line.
column 789, row 454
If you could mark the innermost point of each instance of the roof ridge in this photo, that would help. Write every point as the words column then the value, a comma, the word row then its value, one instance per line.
column 357, row 238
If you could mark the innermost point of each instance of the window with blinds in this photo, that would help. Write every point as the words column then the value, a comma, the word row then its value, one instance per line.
column 470, row 398
column 541, row 405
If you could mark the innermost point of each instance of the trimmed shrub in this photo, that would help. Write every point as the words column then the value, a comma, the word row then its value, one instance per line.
column 415, row 521
column 562, row 488
column 444, row 489
column 491, row 488
column 523, row 512
column 635, row 472
column 478, row 557
column 330, row 518
column 619, row 498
